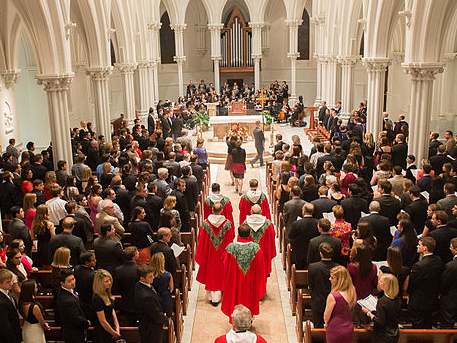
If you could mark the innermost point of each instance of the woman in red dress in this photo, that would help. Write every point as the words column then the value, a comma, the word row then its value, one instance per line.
column 239, row 166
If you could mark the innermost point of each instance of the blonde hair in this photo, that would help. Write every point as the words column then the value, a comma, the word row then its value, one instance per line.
column 344, row 281
column 99, row 288
column 50, row 178
column 29, row 202
column 169, row 202
column 158, row 264
column 338, row 212
column 87, row 173
column 168, row 141
column 106, row 168
column 391, row 287
column 296, row 139
column 39, row 221
column 61, row 258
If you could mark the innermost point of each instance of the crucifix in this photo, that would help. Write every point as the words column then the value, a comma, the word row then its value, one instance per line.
column 263, row 98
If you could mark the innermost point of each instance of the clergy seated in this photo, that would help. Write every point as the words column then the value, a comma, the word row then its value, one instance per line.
column 252, row 197
column 241, row 323
column 245, row 276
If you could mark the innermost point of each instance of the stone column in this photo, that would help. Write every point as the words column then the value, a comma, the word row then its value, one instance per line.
column 293, row 54
column 11, row 76
column 154, row 69
column 324, row 71
column 347, row 84
column 318, row 22
column 179, row 58
column 216, row 56
column 331, row 81
column 144, row 88
column 317, row 101
column 256, row 50
column 127, row 70
column 422, row 78
column 99, row 77
column 56, row 88
column 376, row 68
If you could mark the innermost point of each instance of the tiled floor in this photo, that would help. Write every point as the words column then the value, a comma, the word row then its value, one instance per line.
column 275, row 323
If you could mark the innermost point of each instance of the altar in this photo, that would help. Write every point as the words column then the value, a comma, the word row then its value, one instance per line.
column 222, row 125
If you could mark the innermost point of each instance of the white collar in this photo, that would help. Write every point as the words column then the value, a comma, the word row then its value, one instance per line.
column 256, row 221
column 241, row 337
column 216, row 197
column 216, row 219
column 254, row 195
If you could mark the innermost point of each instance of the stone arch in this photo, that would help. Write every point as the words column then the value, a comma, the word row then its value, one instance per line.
column 242, row 5
column 304, row 37
column 351, row 29
column 263, row 14
column 122, row 23
column 167, row 40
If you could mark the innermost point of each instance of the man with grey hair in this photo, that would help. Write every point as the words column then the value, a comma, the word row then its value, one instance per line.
column 163, row 188
column 106, row 216
column 171, row 263
column 381, row 230
column 241, row 323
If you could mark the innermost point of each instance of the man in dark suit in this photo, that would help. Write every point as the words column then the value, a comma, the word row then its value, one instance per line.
column 122, row 197
column 191, row 191
column 93, row 156
column 171, row 263
column 390, row 206
column 417, row 209
column 39, row 171
column 79, row 229
column 148, row 307
column 84, row 275
column 326, row 157
column 10, row 327
column 323, row 226
column 177, row 126
column 143, row 140
column 9, row 195
column 151, row 121
column 410, row 159
column 442, row 235
column 181, row 204
column 125, row 279
column 439, row 160
column 18, row 230
column 425, row 182
column 279, row 143
column 259, row 142
column 448, row 203
column 197, row 171
column 293, row 209
column 424, row 286
column 434, row 144
column 448, row 305
column 107, row 250
column 381, row 230
column 71, row 315
column 319, row 282
column 190, row 89
column 154, row 204
column 322, row 111
column 354, row 205
column 166, row 125
column 323, row 204
column 172, row 164
column 67, row 239
column 399, row 151
column 300, row 234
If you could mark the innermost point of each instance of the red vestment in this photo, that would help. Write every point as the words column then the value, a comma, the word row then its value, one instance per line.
column 254, row 338
column 244, row 278
column 251, row 198
column 263, row 233
column 227, row 210
column 215, row 234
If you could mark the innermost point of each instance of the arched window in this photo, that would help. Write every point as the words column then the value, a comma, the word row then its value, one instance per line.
column 362, row 45
column 167, row 40
column 112, row 52
column 303, row 37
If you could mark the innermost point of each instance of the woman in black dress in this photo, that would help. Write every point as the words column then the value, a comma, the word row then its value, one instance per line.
column 106, row 324
column 229, row 161
column 141, row 234
column 42, row 230
column 239, row 166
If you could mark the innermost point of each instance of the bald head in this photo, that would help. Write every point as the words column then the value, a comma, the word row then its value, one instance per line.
column 164, row 234
column 256, row 209
column 375, row 206
column 217, row 208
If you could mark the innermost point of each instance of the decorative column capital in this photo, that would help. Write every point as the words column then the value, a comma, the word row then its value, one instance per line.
column 216, row 58
column 126, row 68
column 376, row 64
column 317, row 20
column 256, row 57
column 349, row 61
column 55, row 83
column 179, row 59
column 423, row 71
column 143, row 64
column 293, row 55
column 215, row 27
column 256, row 25
column 293, row 23
column 178, row 28
column 99, row 73
column 154, row 25
column 450, row 55
column 11, row 76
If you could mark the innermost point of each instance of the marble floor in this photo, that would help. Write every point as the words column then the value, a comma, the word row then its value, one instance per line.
column 204, row 323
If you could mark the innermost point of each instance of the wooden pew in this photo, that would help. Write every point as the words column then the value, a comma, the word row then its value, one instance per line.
column 188, row 238
column 279, row 229
column 181, row 284
column 44, row 281
column 186, row 259
column 5, row 225
column 303, row 304
column 283, row 248
column 298, row 281
column 288, row 265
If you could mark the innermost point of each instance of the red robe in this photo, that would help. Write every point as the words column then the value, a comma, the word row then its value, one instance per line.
column 248, row 200
column 227, row 210
column 212, row 241
column 245, row 280
column 264, row 236
column 255, row 338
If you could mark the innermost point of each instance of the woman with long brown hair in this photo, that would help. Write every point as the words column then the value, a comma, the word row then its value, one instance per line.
column 14, row 264
column 42, row 230
column 29, row 208
column 33, row 314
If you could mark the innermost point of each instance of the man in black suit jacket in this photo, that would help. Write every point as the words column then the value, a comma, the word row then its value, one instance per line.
column 313, row 250
column 122, row 197
column 71, row 315
column 399, row 151
column 79, row 229
column 10, row 327
column 197, row 171
column 84, row 275
column 279, row 143
column 434, row 144
column 439, row 160
column 148, row 307
column 181, row 204
column 448, row 305
column 354, row 205
column 191, row 191
column 322, row 204
column 38, row 187
column 125, row 279
column 322, row 111
column 171, row 263
column 39, row 171
column 319, row 282
column 151, row 121
column 425, row 182
column 107, row 250
column 300, row 234
column 409, row 167
column 381, row 230
column 67, row 239
column 442, row 235
column 18, row 230
column 166, row 125
column 9, row 195
column 390, row 206
column 424, row 286
column 326, row 157
column 417, row 209
column 93, row 155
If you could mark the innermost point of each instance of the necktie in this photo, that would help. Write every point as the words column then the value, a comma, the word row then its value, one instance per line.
column 10, row 295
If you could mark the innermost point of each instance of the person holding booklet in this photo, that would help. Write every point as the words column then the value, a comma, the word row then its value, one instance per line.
column 387, row 313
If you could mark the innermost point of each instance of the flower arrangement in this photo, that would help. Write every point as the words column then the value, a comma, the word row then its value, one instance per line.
column 239, row 130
